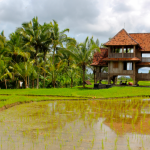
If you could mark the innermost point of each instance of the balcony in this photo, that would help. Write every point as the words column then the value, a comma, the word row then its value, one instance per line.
column 145, row 59
column 119, row 55
column 128, row 55
column 143, row 76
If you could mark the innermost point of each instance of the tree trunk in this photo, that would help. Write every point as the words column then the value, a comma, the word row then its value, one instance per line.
column 5, row 83
column 16, row 84
column 33, row 84
column 53, row 83
column 37, row 83
column 71, row 82
column 94, row 74
column 44, row 69
column 25, row 80
column 28, row 82
column 83, row 67
column 53, row 54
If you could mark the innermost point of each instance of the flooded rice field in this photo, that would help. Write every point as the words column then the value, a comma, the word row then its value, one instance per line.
column 121, row 124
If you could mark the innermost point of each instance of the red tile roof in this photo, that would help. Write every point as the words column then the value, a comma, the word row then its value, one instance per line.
column 121, row 38
column 121, row 59
column 144, row 64
column 99, row 56
column 143, row 39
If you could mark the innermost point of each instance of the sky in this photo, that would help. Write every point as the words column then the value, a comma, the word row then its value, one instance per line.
column 101, row 19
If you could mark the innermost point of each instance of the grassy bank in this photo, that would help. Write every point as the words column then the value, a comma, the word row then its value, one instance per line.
column 11, row 96
column 80, row 92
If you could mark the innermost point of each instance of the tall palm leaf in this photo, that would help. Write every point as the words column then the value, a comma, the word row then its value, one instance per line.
column 34, row 35
column 83, row 54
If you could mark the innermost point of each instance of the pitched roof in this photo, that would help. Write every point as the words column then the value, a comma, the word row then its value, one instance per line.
column 143, row 39
column 121, row 59
column 121, row 38
column 99, row 56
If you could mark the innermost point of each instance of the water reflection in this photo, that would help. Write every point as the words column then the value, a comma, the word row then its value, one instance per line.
column 89, row 124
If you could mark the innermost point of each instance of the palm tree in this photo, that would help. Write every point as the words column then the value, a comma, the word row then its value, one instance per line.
column 54, row 70
column 73, row 73
column 4, row 50
column 83, row 54
column 58, row 38
column 4, row 71
column 4, row 59
column 23, row 69
column 34, row 35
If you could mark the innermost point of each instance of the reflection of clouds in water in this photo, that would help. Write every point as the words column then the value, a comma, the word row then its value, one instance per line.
column 146, row 99
column 145, row 110
column 73, row 122
column 125, row 116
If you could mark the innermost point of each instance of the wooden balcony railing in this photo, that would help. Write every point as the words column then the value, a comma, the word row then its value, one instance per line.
column 128, row 55
column 143, row 76
column 115, row 55
column 119, row 55
column 145, row 59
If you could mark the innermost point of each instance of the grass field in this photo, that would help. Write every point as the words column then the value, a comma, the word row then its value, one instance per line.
column 11, row 96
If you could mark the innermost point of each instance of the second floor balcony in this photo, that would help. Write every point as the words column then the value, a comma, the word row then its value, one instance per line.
column 145, row 59
column 120, row 55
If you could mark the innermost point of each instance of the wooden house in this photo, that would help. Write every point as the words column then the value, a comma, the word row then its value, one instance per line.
column 123, row 55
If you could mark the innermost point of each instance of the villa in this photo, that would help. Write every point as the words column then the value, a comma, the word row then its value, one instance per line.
column 124, row 55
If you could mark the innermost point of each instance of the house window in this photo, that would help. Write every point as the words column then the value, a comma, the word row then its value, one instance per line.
column 115, row 64
column 128, row 49
column 127, row 66
column 116, row 50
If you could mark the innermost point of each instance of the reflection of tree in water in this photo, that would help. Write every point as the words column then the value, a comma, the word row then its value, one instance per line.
column 117, row 113
column 128, row 113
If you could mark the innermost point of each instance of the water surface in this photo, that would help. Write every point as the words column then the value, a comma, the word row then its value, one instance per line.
column 91, row 124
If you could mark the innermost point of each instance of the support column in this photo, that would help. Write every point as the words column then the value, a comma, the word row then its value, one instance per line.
column 134, row 74
column 109, row 80
column 122, row 51
column 109, row 52
column 94, row 74
column 100, row 74
column 134, row 49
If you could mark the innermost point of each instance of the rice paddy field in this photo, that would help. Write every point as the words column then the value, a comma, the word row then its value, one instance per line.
column 111, row 124
column 75, row 119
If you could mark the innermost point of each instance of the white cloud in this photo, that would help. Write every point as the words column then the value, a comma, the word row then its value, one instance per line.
column 102, row 19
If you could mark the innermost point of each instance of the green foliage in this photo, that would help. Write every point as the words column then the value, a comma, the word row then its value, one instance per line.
column 44, row 54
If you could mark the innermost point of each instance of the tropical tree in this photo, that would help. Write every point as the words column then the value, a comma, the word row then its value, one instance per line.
column 4, row 50
column 73, row 72
column 57, row 37
column 34, row 35
column 4, row 72
column 83, row 54
column 23, row 69
column 54, row 70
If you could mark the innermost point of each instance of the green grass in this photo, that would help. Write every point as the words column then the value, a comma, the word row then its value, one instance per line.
column 80, row 92
column 76, row 93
